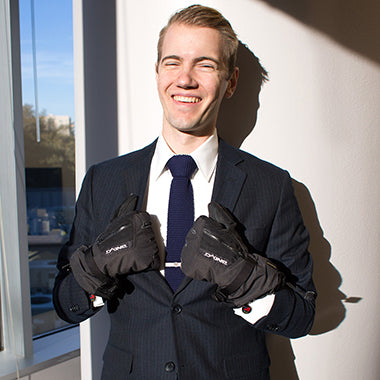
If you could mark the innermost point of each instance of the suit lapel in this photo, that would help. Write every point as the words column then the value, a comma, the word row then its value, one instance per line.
column 229, row 178
column 136, row 175
column 135, row 180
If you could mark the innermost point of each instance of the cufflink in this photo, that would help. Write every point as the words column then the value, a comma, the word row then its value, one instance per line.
column 246, row 309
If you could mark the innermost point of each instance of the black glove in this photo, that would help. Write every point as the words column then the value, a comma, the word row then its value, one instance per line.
column 126, row 246
column 214, row 251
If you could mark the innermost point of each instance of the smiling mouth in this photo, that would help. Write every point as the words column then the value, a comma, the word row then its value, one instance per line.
column 186, row 99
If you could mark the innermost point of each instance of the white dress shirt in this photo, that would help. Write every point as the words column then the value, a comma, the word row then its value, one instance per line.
column 160, row 180
column 157, row 201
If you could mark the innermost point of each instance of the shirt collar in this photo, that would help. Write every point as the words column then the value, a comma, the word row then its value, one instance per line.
column 205, row 156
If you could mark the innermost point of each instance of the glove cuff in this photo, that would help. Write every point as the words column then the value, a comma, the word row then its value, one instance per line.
column 221, row 294
column 88, row 275
column 264, row 279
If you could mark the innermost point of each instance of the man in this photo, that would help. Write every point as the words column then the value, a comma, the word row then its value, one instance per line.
column 246, row 265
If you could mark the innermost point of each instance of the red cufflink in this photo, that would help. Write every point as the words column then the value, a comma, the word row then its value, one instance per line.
column 246, row 309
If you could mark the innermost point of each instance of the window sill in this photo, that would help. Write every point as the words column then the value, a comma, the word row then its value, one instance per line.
column 48, row 352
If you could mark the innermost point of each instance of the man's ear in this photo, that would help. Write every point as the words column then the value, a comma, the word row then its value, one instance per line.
column 232, row 83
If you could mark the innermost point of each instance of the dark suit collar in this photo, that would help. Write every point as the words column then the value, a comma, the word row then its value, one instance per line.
column 137, row 172
column 229, row 178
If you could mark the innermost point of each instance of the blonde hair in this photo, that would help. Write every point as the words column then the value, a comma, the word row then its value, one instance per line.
column 199, row 15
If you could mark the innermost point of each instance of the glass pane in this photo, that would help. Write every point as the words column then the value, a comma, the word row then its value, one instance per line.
column 47, row 86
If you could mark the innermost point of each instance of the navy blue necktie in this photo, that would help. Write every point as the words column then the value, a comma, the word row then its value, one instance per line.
column 180, row 214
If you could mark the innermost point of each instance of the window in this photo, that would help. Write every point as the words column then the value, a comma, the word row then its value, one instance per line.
column 46, row 42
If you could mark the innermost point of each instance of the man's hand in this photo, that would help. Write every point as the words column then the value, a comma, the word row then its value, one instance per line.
column 126, row 246
column 215, row 252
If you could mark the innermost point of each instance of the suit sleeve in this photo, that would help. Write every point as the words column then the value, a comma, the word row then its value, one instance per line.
column 71, row 302
column 292, row 314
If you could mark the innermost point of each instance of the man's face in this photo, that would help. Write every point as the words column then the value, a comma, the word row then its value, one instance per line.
column 192, row 79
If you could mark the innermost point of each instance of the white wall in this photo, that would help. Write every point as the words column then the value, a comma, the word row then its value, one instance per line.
column 318, row 119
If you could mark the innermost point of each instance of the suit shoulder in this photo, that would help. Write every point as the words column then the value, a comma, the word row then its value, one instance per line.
column 250, row 163
column 261, row 165
column 126, row 160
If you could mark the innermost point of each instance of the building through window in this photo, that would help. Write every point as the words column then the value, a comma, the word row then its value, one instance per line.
column 49, row 138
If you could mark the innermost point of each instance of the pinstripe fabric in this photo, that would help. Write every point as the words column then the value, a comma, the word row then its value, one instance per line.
column 203, row 339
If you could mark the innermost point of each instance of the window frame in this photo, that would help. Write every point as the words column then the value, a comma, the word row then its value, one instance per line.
column 95, row 106
column 21, row 355
column 14, row 245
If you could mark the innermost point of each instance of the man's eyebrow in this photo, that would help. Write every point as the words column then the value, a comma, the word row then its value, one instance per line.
column 170, row 57
column 200, row 59
column 196, row 60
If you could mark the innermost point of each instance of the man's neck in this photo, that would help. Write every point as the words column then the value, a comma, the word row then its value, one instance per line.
column 183, row 143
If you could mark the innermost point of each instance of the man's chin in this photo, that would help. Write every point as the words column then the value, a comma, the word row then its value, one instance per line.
column 194, row 129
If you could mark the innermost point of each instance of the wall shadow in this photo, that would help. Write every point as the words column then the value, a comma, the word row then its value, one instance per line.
column 282, row 358
column 100, row 80
column 352, row 23
column 330, row 310
column 237, row 119
column 237, row 115
column 101, row 122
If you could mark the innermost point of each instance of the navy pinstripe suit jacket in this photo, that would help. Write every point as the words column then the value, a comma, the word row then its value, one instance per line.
column 156, row 334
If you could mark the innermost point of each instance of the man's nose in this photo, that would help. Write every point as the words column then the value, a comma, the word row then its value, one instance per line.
column 186, row 79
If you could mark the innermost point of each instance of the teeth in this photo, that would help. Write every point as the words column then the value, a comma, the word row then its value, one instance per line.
column 186, row 99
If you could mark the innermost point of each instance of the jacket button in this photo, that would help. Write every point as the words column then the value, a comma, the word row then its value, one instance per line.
column 177, row 309
column 273, row 327
column 169, row 367
column 74, row 308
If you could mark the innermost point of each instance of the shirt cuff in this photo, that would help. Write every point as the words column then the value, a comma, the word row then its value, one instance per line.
column 97, row 301
column 256, row 310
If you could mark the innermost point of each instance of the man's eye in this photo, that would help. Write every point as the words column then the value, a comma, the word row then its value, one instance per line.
column 207, row 66
column 171, row 64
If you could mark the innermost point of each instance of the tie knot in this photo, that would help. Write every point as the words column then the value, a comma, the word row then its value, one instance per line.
column 181, row 165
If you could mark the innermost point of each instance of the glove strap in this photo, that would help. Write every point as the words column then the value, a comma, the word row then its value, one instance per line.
column 222, row 293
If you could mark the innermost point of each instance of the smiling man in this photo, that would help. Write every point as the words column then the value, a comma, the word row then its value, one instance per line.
column 197, row 248
column 192, row 80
